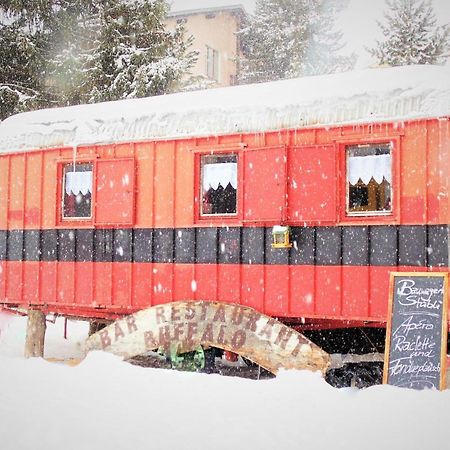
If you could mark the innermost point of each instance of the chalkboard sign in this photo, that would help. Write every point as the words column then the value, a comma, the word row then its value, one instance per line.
column 416, row 335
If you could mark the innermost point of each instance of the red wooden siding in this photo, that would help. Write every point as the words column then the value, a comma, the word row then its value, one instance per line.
column 300, row 291
column 165, row 173
column 265, row 184
column 294, row 177
column 4, row 191
column 312, row 185
column 114, row 200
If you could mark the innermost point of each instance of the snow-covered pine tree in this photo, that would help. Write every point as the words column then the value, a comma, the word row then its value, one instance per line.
column 65, row 52
column 68, row 41
column 20, row 87
column 411, row 35
column 134, row 55
column 37, row 39
column 289, row 38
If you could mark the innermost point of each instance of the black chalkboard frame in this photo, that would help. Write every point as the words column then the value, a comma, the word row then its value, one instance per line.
column 444, row 321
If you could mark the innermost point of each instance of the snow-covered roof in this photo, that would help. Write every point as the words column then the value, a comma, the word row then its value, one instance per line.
column 371, row 95
column 208, row 10
column 183, row 6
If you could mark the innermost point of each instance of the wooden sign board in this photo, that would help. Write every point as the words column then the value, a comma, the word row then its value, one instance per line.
column 416, row 334
column 236, row 328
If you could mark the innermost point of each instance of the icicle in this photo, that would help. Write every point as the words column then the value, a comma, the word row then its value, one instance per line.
column 74, row 156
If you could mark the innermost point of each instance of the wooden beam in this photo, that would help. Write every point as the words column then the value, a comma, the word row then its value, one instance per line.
column 36, row 326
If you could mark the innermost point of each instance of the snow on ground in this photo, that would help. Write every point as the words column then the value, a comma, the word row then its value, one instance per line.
column 13, row 330
column 106, row 403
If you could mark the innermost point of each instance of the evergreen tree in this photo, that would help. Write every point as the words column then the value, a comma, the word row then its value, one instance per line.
column 65, row 52
column 68, row 39
column 31, row 47
column 18, row 58
column 134, row 55
column 290, row 38
column 411, row 35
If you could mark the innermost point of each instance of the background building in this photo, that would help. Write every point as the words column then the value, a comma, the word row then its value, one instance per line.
column 215, row 39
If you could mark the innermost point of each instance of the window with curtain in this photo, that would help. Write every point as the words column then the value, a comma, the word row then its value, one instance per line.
column 369, row 179
column 77, row 192
column 218, row 184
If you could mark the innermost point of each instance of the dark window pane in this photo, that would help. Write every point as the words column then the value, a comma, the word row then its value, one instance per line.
column 358, row 196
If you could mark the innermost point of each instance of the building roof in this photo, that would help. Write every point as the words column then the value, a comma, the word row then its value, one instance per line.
column 209, row 10
column 364, row 96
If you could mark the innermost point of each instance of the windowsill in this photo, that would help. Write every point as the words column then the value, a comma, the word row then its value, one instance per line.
column 374, row 218
column 75, row 223
column 221, row 218
column 218, row 216
column 76, row 219
column 213, row 220
column 368, row 213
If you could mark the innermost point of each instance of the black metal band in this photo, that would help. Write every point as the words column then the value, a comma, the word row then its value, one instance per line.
column 415, row 245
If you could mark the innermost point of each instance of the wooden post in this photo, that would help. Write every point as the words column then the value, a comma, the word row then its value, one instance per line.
column 36, row 326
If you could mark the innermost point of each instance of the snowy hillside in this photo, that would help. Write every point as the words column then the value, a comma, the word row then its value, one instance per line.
column 104, row 403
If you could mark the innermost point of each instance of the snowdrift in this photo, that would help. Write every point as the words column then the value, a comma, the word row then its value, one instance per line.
column 106, row 403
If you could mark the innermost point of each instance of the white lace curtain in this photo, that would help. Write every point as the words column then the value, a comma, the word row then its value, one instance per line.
column 78, row 182
column 370, row 166
column 219, row 173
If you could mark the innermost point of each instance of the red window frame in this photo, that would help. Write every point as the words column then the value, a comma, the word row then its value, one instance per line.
column 215, row 218
column 73, row 221
column 371, row 216
column 242, row 152
column 233, row 159
column 93, row 220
